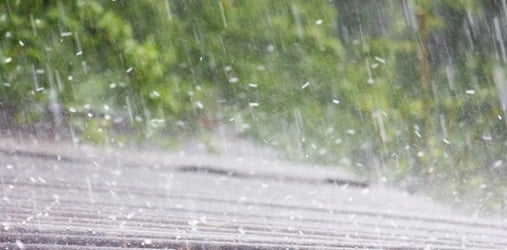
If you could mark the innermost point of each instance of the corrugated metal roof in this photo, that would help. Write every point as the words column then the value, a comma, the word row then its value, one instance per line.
column 61, row 197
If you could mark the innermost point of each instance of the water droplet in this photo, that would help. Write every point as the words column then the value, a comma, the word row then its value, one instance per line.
column 130, row 215
column 497, row 164
column 380, row 60
column 305, row 85
column 20, row 244
column 233, row 79
column 154, row 94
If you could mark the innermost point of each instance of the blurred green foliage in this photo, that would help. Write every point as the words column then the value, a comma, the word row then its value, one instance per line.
column 399, row 91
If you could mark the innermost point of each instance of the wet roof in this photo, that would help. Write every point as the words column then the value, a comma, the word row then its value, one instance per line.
column 58, row 196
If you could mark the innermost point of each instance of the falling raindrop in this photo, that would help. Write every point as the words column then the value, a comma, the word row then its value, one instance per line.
column 305, row 85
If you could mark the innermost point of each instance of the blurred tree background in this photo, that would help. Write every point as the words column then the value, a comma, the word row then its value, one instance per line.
column 411, row 93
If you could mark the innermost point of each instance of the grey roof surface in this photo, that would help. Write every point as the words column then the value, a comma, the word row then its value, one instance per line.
column 57, row 196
